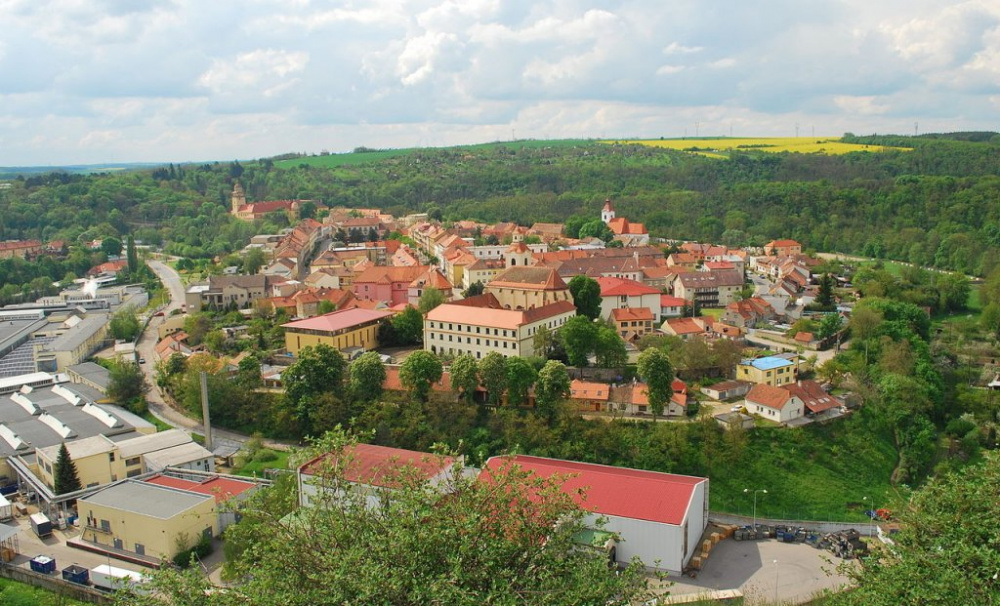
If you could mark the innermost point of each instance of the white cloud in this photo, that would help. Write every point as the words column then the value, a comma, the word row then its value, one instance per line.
column 148, row 80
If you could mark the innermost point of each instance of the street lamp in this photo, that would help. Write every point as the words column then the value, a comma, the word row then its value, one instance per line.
column 747, row 491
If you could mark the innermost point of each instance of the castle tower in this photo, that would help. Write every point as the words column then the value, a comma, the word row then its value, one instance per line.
column 239, row 198
column 608, row 212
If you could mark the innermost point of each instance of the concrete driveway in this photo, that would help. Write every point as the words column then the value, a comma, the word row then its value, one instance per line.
column 765, row 571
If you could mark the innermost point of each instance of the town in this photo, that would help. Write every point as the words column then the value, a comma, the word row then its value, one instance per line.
column 498, row 316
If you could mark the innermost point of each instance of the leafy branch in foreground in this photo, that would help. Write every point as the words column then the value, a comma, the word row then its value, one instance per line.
column 506, row 541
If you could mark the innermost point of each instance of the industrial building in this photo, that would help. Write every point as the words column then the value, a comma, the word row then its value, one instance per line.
column 658, row 517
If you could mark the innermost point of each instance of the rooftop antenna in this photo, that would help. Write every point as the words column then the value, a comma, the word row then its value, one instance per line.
column 916, row 128
column 796, row 130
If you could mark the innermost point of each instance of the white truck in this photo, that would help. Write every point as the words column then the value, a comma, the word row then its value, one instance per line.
column 110, row 578
column 6, row 509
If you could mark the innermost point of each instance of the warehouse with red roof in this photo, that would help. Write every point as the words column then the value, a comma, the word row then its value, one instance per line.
column 658, row 517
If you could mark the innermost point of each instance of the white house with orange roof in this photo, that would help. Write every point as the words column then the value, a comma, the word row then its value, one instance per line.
column 622, row 293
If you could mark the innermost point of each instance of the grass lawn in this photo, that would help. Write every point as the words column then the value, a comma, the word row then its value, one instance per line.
column 14, row 593
column 160, row 425
column 257, row 466
column 715, row 312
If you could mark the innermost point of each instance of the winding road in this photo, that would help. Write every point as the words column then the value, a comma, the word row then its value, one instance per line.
column 158, row 405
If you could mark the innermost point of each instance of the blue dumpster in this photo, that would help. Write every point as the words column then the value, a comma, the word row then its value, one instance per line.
column 43, row 564
column 76, row 574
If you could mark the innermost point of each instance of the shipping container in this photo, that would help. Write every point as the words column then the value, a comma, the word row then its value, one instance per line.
column 111, row 578
column 76, row 574
column 41, row 524
column 6, row 509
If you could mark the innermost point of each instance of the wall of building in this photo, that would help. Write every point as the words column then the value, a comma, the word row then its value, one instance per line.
column 159, row 537
column 365, row 337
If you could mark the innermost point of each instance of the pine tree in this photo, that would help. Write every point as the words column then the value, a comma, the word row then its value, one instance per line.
column 66, row 478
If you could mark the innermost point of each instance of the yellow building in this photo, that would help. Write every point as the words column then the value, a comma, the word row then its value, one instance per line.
column 148, row 520
column 99, row 460
column 528, row 288
column 339, row 329
column 770, row 370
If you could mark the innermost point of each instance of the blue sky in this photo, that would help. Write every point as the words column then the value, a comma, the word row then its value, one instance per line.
column 91, row 81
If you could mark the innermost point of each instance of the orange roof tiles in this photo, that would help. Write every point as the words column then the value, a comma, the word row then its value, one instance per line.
column 380, row 465
column 585, row 390
column 629, row 314
column 771, row 397
column 616, row 287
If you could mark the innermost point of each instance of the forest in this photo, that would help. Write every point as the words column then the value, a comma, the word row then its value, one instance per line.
column 932, row 204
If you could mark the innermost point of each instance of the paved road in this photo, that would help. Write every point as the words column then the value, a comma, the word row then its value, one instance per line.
column 158, row 405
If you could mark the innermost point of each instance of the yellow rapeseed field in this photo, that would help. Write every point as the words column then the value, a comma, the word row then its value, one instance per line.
column 719, row 147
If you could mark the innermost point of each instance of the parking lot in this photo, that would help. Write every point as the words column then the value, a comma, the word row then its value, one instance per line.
column 765, row 571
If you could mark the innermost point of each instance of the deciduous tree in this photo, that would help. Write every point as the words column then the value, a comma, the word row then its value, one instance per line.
column 419, row 371
column 521, row 376
column 586, row 294
column 656, row 370
column 465, row 376
column 493, row 371
column 552, row 387
column 578, row 335
column 367, row 376
column 431, row 298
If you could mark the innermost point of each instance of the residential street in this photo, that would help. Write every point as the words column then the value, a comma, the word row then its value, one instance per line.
column 147, row 343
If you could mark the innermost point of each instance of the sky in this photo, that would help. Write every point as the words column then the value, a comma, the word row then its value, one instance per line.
column 99, row 81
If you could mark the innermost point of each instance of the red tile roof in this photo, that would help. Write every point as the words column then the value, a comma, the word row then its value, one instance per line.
column 672, row 301
column 338, row 320
column 804, row 337
column 379, row 465
column 382, row 274
column 222, row 488
column 616, row 287
column 813, row 396
column 496, row 318
column 628, row 314
column 771, row 397
column 614, row 491
column 585, row 390
column 535, row 278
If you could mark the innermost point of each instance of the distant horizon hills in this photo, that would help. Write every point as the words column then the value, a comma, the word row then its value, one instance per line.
column 12, row 172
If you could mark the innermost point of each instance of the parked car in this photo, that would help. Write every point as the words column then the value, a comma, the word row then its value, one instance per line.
column 142, row 360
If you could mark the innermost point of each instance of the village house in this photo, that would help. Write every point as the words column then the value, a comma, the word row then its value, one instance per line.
column 389, row 284
column 748, row 313
column 774, row 403
column 631, row 323
column 432, row 278
column 24, row 249
column 709, row 288
column 782, row 248
column 620, row 293
column 769, row 370
column 671, row 306
column 590, row 395
column 687, row 328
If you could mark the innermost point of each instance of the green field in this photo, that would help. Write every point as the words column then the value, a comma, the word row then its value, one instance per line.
column 368, row 157
column 257, row 467
column 13, row 593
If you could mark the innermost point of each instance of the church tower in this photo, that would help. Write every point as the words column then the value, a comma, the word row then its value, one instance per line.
column 517, row 255
column 608, row 212
column 239, row 199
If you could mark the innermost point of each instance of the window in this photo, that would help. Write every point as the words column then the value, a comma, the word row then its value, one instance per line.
column 132, row 461
column 140, row 549
column 106, row 525
column 111, row 457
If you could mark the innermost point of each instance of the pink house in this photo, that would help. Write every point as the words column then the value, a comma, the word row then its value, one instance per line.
column 388, row 284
